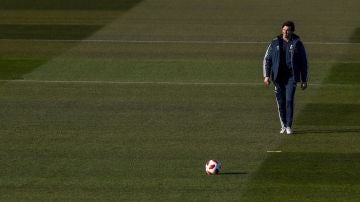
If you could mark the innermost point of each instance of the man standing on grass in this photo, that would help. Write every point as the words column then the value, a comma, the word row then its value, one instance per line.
column 285, row 64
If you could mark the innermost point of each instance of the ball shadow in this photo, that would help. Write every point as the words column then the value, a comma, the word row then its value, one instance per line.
column 233, row 173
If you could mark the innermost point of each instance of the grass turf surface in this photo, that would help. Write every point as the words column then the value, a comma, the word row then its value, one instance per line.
column 93, row 141
column 94, row 137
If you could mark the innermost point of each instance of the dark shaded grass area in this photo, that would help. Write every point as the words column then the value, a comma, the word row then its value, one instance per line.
column 15, row 68
column 69, row 4
column 321, row 114
column 290, row 175
column 355, row 38
column 344, row 73
column 312, row 168
column 349, row 72
column 60, row 32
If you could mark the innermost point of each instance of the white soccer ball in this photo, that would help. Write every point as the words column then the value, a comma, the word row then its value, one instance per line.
column 213, row 167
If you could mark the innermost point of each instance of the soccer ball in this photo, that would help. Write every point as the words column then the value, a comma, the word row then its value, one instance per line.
column 213, row 167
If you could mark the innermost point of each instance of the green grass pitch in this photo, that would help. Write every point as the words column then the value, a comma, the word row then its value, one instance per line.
column 126, row 101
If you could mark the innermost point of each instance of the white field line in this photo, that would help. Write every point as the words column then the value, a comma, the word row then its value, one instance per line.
column 174, row 83
column 168, row 41
column 276, row 151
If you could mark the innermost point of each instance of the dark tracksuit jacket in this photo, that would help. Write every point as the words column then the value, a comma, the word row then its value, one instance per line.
column 299, row 64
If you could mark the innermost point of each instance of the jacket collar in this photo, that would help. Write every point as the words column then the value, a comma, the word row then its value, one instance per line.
column 293, row 37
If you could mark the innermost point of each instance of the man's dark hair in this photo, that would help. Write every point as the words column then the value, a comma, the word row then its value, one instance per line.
column 289, row 24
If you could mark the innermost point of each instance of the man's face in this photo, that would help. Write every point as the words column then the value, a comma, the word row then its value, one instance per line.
column 286, row 31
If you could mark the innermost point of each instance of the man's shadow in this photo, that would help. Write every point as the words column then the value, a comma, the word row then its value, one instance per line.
column 352, row 130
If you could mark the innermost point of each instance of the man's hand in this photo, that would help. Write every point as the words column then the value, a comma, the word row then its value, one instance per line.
column 267, row 81
column 303, row 85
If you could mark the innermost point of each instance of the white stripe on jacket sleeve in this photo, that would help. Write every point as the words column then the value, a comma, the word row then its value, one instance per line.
column 266, row 59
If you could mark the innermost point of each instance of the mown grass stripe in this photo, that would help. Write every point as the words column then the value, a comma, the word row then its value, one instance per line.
column 69, row 5
column 41, row 31
column 160, row 83
column 170, row 42
column 16, row 68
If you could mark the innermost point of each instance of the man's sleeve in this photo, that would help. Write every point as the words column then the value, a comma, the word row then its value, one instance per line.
column 304, row 63
column 267, row 62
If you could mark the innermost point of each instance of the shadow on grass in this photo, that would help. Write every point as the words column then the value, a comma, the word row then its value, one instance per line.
column 353, row 130
column 15, row 67
column 234, row 173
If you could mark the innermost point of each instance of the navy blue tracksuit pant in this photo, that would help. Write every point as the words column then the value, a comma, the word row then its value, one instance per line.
column 285, row 93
